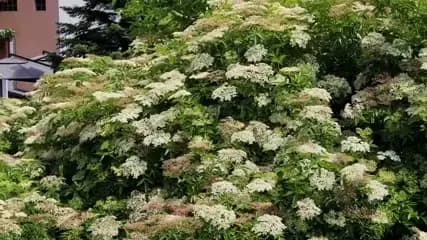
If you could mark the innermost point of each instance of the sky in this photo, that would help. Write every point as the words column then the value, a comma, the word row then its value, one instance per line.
column 63, row 16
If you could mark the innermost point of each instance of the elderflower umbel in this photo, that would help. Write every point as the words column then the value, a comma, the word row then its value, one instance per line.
column 262, row 100
column 272, row 142
column 157, row 139
column 376, row 190
column 322, row 179
column 338, row 87
column 318, row 112
column 201, row 62
column 373, row 42
column 225, row 93
column 380, row 217
column 307, row 209
column 335, row 218
column 299, row 37
column 260, row 185
column 244, row 136
column 52, row 182
column 232, row 155
column 222, row 187
column 389, row 154
column 317, row 93
column 311, row 148
column 218, row 215
column 269, row 225
column 74, row 71
column 256, row 53
column 105, row 228
column 354, row 144
column 105, row 96
column 354, row 173
column 131, row 112
column 259, row 73
column 419, row 235
column 318, row 238
column 133, row 167
column 200, row 143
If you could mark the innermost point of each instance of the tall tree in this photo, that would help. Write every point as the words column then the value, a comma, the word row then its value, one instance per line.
column 100, row 29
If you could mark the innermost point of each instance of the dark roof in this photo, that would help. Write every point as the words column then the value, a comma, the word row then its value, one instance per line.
column 20, row 68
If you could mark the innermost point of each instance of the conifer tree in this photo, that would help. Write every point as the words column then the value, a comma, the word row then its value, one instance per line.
column 100, row 29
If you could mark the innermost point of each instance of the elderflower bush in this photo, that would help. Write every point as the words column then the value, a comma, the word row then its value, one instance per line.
column 262, row 120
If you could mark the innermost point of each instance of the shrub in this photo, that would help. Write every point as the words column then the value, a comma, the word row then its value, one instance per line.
column 261, row 120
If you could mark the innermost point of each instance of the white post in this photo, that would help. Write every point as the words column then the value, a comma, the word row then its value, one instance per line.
column 5, row 88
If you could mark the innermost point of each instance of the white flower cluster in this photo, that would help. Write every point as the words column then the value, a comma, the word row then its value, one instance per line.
column 354, row 173
column 152, row 126
column 246, row 169
column 130, row 112
column 74, row 71
column 376, row 190
column 335, row 218
column 389, row 154
column 351, row 111
column 338, row 87
column 307, row 209
column 258, row 132
column 262, row 99
column 172, row 81
column 311, row 148
column 201, row 62
column 244, row 136
column 423, row 58
column 381, row 217
column 354, row 144
column 225, row 93
column 133, row 167
column 180, row 94
column 125, row 63
column 155, row 122
column 256, row 53
column 105, row 96
column 316, row 93
column 322, row 179
column 218, row 215
column 105, row 228
column 157, row 139
column 373, row 40
column 419, row 235
column 260, row 185
column 200, row 143
column 376, row 43
column 359, row 7
column 223, row 187
column 231, row 155
column 52, row 182
column 299, row 37
column 318, row 238
column 257, row 73
column 320, row 113
column 9, row 226
column 269, row 225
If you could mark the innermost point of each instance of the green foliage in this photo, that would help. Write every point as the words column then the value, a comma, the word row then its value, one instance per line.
column 261, row 120
column 155, row 20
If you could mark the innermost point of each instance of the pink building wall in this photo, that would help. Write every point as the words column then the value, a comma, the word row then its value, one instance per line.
column 35, row 31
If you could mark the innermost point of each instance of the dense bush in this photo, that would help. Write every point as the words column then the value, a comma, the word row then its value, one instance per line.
column 262, row 120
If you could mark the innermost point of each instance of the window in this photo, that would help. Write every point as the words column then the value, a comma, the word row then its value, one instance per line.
column 8, row 5
column 41, row 5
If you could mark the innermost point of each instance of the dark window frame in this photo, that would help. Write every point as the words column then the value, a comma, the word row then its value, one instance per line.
column 9, row 6
column 40, row 5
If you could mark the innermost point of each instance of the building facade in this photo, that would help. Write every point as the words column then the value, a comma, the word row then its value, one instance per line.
column 34, row 23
